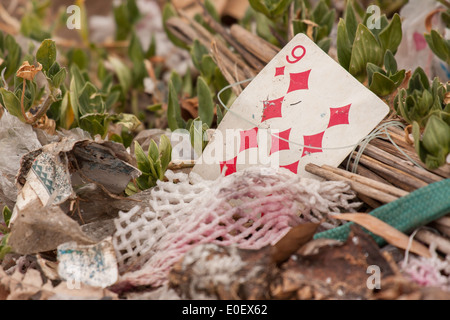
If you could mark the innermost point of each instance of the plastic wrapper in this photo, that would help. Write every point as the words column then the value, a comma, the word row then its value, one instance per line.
column 16, row 139
column 414, row 51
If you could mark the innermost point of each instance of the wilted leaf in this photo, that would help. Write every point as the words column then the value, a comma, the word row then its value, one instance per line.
column 387, row 232
column 292, row 241
column 27, row 71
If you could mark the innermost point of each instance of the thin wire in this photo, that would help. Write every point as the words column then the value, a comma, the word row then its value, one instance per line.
column 361, row 143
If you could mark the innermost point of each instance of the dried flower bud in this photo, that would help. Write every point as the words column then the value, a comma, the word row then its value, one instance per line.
column 27, row 71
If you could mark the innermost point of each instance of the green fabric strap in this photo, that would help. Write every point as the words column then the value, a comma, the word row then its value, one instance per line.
column 405, row 214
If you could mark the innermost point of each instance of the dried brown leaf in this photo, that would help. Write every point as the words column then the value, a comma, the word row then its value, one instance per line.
column 191, row 106
column 387, row 232
column 27, row 71
column 292, row 241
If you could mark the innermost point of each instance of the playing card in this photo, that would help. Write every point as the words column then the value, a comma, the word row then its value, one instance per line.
column 303, row 107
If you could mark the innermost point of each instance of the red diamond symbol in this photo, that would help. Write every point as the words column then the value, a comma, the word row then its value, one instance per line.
column 249, row 139
column 314, row 141
column 299, row 81
column 278, row 144
column 339, row 116
column 279, row 71
column 272, row 109
column 293, row 167
column 230, row 166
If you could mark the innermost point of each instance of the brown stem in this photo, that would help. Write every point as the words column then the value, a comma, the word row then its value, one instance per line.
column 44, row 108
column 22, row 107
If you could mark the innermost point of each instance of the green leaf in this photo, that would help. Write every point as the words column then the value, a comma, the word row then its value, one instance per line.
column 173, row 110
column 144, row 182
column 176, row 81
column 159, row 173
column 208, row 66
column 438, row 45
column 219, row 115
column 54, row 69
column 391, row 37
column 46, row 54
column 123, row 73
column 205, row 102
column 365, row 49
column 436, row 138
column 279, row 7
column 419, row 81
column 398, row 77
column 77, row 77
column 4, row 247
column 136, row 55
column 165, row 151
column 197, row 52
column 79, row 57
column 31, row 27
column 344, row 46
column 133, row 11
column 141, row 158
column 7, row 213
column 169, row 12
column 151, row 51
column 390, row 63
column 351, row 23
column 127, row 120
column 153, row 151
column 11, row 103
column 59, row 78
column 259, row 6
column 371, row 69
column 123, row 25
column 93, row 126
column 325, row 44
column 187, row 84
column 211, row 9
column 381, row 85
column 13, row 58
column 327, row 22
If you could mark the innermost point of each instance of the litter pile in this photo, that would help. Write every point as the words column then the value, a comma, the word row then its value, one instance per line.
column 250, row 210
column 375, row 226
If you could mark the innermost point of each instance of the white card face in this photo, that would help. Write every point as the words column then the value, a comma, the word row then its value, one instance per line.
column 303, row 107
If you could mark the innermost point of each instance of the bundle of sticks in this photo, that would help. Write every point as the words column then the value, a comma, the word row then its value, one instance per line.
column 383, row 172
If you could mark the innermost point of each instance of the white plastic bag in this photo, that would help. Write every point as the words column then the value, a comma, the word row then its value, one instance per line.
column 16, row 139
column 414, row 51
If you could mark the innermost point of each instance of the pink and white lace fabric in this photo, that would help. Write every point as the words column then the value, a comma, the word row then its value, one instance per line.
column 249, row 209
column 429, row 272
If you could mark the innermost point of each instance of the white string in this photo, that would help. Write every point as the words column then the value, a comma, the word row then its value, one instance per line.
column 378, row 132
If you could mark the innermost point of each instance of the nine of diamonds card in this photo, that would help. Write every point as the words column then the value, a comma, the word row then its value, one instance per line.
column 303, row 107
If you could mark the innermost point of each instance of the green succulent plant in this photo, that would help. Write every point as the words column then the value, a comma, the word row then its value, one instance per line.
column 152, row 164
column 424, row 107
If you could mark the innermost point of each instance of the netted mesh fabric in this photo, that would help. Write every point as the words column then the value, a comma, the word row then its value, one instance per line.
column 249, row 209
